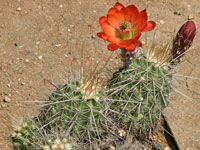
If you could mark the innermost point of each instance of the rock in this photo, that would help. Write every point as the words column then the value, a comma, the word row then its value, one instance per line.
column 112, row 148
column 26, row 60
column 162, row 21
column 58, row 45
column 19, row 9
column 6, row 99
column 167, row 148
column 93, row 36
column 177, row 13
column 190, row 17
column 40, row 57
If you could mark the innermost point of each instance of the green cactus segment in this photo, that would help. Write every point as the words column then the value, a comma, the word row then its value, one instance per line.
column 66, row 114
column 58, row 144
column 31, row 136
column 27, row 136
column 69, row 110
column 139, row 93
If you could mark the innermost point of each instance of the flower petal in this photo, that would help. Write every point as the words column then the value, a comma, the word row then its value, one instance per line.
column 136, row 20
column 112, row 11
column 142, row 20
column 114, row 40
column 102, row 19
column 112, row 47
column 130, row 47
column 131, row 11
column 108, row 29
column 112, row 20
column 138, row 43
column 133, row 45
column 118, row 6
column 103, row 36
column 120, row 16
column 150, row 26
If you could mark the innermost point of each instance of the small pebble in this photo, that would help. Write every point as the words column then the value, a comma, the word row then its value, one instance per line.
column 93, row 36
column 2, row 26
column 27, row 60
column 190, row 17
column 58, row 45
column 8, row 85
column 6, row 99
column 68, row 30
column 94, row 11
column 40, row 57
column 112, row 148
column 162, row 21
column 22, row 83
column 177, row 13
column 167, row 148
column 19, row 9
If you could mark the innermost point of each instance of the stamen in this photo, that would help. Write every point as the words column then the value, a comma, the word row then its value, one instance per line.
column 124, row 25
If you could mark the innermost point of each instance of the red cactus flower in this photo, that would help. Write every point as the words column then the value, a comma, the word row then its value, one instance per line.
column 123, row 26
column 183, row 39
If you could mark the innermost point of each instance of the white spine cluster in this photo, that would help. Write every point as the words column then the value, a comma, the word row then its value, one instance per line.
column 58, row 145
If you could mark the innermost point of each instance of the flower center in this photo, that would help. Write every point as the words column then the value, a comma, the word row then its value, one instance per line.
column 126, row 31
column 124, row 25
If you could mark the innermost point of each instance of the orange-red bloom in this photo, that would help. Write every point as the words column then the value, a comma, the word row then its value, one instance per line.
column 123, row 26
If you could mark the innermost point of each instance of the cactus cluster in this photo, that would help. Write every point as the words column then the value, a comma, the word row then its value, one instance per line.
column 30, row 135
column 74, row 110
column 139, row 93
column 77, row 109
column 68, row 109
column 26, row 135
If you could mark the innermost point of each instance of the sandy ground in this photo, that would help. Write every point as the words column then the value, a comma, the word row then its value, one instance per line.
column 41, row 39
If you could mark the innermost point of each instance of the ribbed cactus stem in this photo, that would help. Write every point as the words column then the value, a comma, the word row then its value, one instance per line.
column 139, row 93
column 75, row 110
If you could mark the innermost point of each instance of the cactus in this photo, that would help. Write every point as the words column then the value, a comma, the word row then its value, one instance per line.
column 30, row 135
column 58, row 144
column 139, row 93
column 25, row 135
column 77, row 108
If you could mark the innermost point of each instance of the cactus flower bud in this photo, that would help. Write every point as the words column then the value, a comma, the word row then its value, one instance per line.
column 183, row 40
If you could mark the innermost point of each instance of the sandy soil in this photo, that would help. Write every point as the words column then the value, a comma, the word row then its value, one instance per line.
column 41, row 39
